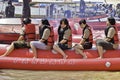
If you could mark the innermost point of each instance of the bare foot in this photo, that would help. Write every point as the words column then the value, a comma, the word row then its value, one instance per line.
column 99, row 57
column 54, row 52
column 85, row 57
column 3, row 55
column 65, row 57
column 34, row 57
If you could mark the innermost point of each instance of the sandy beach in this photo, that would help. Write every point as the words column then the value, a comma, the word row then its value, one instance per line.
column 58, row 75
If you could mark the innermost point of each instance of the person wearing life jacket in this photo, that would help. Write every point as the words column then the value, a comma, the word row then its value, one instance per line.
column 86, row 41
column 111, row 41
column 29, row 32
column 46, row 39
column 65, row 38
column 27, row 35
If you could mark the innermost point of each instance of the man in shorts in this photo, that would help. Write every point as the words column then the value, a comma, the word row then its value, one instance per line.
column 86, row 41
column 23, row 40
column 26, row 12
column 111, row 41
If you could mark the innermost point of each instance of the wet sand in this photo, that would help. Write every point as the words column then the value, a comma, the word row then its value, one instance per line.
column 7, row 74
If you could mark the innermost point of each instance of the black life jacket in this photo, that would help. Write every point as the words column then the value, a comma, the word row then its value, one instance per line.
column 115, row 37
column 90, row 38
column 61, row 34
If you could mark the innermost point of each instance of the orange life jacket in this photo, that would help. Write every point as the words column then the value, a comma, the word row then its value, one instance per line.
column 91, row 35
column 70, row 40
column 115, row 39
column 50, row 40
column 90, row 38
column 29, row 32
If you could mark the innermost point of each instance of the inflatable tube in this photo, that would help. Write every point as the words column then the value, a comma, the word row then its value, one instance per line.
column 22, row 59
column 8, row 37
column 27, row 53
column 108, row 64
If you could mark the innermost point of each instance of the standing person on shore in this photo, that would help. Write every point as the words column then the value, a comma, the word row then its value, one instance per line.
column 26, row 12
column 9, row 10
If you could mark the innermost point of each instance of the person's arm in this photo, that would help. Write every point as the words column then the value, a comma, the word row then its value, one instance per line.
column 63, row 41
column 45, row 36
column 21, row 34
column 110, row 35
column 66, row 36
column 20, row 38
column 85, row 36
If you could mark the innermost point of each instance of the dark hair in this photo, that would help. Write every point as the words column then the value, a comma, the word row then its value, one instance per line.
column 111, row 20
column 45, row 22
column 65, row 21
column 27, row 21
column 9, row 1
column 82, row 21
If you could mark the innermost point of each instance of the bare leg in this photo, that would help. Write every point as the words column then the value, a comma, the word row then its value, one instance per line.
column 76, row 51
column 56, row 48
column 34, row 50
column 80, row 51
column 100, row 51
column 11, row 48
